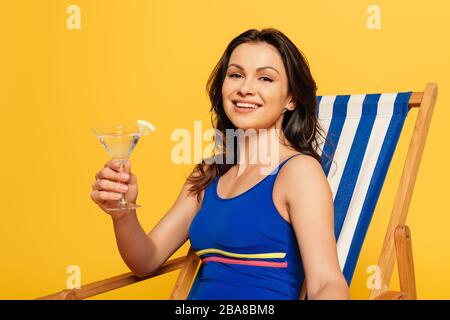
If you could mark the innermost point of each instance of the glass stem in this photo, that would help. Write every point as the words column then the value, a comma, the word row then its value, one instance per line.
column 122, row 200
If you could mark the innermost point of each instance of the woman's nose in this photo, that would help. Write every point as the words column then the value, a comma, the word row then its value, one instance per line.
column 247, row 87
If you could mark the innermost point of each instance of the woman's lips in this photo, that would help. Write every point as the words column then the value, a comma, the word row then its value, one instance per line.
column 245, row 107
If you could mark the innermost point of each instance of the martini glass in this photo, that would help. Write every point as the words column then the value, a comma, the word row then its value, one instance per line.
column 120, row 141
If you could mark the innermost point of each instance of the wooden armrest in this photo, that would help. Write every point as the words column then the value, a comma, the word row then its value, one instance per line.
column 390, row 295
column 113, row 283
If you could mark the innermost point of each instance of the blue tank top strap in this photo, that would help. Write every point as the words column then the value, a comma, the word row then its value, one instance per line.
column 273, row 173
column 275, row 170
column 266, row 183
column 286, row 160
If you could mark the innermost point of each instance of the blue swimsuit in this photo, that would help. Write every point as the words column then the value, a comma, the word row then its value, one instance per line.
column 247, row 249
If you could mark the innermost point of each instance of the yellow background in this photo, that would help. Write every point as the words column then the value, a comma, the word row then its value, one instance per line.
column 150, row 60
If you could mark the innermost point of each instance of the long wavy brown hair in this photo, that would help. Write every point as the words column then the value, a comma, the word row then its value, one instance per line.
column 300, row 126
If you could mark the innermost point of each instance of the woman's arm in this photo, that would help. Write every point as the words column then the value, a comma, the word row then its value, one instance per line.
column 309, row 200
column 145, row 253
column 331, row 291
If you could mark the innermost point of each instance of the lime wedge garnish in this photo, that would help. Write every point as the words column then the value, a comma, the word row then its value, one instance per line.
column 145, row 127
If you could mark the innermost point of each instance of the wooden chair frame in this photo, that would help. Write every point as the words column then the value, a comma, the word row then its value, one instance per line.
column 397, row 242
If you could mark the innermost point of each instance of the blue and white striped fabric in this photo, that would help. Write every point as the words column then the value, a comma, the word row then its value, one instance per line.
column 364, row 130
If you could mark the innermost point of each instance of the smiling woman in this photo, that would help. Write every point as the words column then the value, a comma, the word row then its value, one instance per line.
column 259, row 236
column 256, row 86
column 262, row 81
column 241, row 103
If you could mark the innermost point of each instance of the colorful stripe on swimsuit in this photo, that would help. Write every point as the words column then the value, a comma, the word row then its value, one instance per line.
column 256, row 259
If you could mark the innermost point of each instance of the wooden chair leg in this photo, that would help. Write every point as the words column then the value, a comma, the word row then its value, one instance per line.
column 390, row 295
column 187, row 273
column 403, row 248
column 303, row 291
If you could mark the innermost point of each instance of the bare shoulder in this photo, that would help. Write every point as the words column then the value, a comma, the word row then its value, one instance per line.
column 300, row 174
column 302, row 164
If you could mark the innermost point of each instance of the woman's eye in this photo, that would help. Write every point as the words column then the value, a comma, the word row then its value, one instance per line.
column 266, row 79
column 237, row 75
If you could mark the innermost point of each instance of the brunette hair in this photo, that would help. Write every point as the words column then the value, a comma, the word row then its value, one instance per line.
column 300, row 126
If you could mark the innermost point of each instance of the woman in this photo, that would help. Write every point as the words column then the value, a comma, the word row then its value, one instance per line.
column 259, row 235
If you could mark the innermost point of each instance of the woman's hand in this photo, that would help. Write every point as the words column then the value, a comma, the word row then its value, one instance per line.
column 109, row 185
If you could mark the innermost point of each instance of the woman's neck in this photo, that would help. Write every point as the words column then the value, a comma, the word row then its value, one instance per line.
column 260, row 148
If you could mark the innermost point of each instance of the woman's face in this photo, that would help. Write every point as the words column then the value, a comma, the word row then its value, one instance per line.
column 255, row 89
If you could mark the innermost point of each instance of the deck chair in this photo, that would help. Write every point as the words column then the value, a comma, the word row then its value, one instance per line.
column 364, row 130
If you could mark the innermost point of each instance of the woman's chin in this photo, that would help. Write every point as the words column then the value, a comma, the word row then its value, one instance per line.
column 246, row 121
column 246, row 124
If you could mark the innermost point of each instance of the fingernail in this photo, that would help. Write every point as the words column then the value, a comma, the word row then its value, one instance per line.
column 125, row 175
column 124, row 188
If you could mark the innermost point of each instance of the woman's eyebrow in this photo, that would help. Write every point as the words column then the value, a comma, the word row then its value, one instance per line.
column 258, row 69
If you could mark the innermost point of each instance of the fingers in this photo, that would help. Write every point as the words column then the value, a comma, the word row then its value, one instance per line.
column 100, row 196
column 112, row 181
column 114, row 164
column 110, row 174
column 133, row 179
column 127, row 167
column 108, row 185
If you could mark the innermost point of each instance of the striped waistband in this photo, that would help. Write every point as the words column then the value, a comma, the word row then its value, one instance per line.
column 241, row 258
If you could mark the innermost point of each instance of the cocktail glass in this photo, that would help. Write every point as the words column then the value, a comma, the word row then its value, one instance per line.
column 119, row 141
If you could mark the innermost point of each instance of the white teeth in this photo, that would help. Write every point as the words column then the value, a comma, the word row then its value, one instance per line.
column 246, row 105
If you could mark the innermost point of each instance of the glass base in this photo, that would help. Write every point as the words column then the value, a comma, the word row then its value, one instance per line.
column 123, row 207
